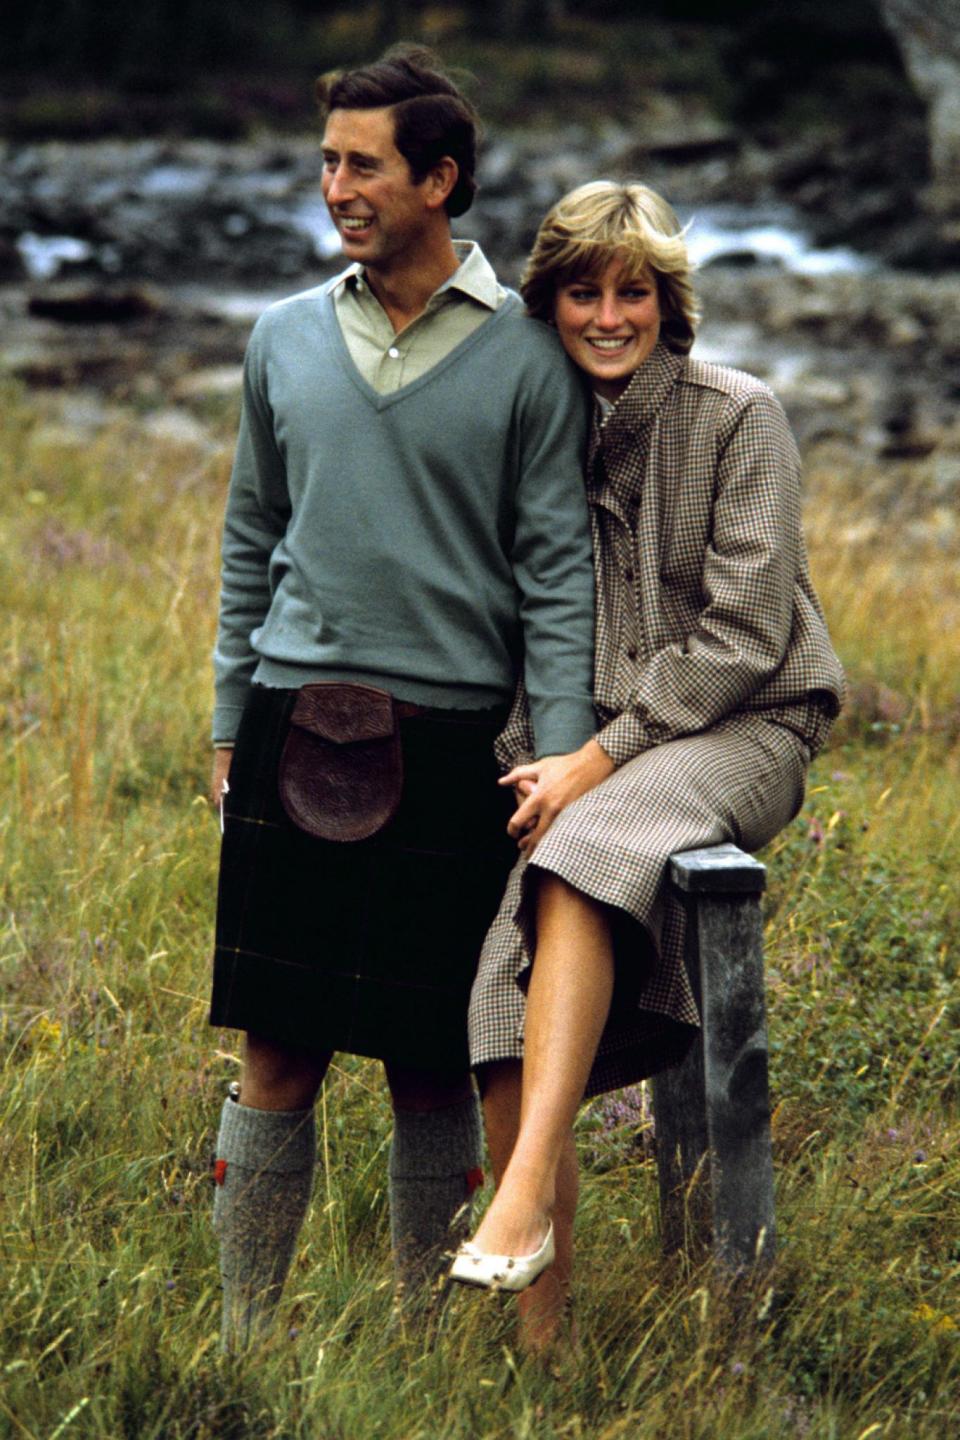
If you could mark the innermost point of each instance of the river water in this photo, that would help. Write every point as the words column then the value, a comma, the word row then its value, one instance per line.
column 134, row 218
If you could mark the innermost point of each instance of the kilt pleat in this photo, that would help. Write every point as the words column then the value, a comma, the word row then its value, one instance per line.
column 741, row 781
column 368, row 947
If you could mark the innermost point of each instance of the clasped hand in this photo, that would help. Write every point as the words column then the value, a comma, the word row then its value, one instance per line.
column 548, row 785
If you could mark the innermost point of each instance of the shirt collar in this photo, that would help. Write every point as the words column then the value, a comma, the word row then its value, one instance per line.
column 649, row 387
column 473, row 277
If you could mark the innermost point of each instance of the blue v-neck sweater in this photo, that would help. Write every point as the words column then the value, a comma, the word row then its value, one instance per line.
column 433, row 541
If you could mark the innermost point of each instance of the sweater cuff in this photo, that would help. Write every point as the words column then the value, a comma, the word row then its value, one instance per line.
column 226, row 722
column 562, row 726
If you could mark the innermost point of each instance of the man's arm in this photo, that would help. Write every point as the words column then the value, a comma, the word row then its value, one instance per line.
column 258, row 509
column 552, row 557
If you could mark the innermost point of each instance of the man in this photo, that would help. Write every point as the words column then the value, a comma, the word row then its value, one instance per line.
column 406, row 512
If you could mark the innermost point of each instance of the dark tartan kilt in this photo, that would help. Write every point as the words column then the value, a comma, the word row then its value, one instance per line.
column 369, row 947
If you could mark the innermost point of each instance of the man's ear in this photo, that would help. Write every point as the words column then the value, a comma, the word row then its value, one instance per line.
column 440, row 180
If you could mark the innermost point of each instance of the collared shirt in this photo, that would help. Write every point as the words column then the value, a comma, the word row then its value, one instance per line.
column 389, row 359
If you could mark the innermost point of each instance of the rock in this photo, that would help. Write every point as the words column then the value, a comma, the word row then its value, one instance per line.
column 176, row 427
column 214, row 380
column 928, row 34
column 871, row 703
column 94, row 304
column 11, row 261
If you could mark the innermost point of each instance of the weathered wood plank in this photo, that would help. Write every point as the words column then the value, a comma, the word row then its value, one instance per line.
column 713, row 1111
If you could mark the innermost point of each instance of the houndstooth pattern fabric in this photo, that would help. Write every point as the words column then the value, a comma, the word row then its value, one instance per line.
column 715, row 682
column 741, row 781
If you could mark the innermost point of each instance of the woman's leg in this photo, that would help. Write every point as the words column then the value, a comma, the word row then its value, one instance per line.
column 545, row 1305
column 567, row 1004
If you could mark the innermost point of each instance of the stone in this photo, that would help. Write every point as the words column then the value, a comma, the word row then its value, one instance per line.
column 928, row 35
column 95, row 304
column 212, row 380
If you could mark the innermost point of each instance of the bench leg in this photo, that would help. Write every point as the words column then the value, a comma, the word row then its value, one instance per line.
column 713, row 1111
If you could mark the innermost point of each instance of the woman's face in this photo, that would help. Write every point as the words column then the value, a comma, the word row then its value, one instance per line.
column 609, row 325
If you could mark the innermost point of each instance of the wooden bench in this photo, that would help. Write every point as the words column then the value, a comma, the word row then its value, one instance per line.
column 712, row 1111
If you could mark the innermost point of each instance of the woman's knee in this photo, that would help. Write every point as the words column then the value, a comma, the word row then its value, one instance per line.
column 563, row 909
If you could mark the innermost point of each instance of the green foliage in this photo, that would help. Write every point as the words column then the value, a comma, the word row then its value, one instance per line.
column 864, row 932
column 218, row 68
column 110, row 1079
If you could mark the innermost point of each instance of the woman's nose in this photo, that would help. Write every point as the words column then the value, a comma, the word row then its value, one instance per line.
column 608, row 313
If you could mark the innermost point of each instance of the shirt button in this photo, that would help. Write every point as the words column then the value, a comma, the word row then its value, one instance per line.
column 631, row 654
column 628, row 576
column 394, row 353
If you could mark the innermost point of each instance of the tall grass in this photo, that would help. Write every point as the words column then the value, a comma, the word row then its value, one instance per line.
column 110, row 1079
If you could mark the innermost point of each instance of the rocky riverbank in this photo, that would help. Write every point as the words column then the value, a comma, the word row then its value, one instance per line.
column 252, row 213
column 136, row 269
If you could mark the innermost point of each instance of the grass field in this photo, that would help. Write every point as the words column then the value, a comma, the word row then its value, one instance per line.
column 110, row 1080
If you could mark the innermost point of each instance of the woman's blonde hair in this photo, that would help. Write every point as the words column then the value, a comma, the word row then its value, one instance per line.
column 603, row 221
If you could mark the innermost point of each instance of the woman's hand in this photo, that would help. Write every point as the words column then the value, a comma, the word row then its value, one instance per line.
column 548, row 785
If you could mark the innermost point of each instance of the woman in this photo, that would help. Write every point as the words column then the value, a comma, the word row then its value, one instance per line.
column 715, row 684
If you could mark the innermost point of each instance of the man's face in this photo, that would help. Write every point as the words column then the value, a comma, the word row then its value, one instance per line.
column 379, row 211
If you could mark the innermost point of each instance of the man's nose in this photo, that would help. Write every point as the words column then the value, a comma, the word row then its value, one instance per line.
column 336, row 187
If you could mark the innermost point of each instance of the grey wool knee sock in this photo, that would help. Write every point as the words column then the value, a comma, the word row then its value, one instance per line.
column 263, row 1171
column 435, row 1166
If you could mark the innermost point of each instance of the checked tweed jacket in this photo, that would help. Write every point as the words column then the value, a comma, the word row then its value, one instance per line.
column 715, row 683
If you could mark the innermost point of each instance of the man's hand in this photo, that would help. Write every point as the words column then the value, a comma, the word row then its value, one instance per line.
column 548, row 785
column 222, row 757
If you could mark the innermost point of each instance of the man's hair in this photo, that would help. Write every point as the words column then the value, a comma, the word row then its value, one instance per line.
column 606, row 221
column 431, row 117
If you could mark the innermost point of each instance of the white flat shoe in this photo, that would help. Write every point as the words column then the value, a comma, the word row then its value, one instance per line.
column 502, row 1272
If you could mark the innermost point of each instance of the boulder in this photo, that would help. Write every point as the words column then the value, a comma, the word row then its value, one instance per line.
column 95, row 304
column 928, row 34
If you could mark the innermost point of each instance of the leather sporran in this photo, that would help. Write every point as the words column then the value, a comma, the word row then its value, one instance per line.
column 341, row 771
